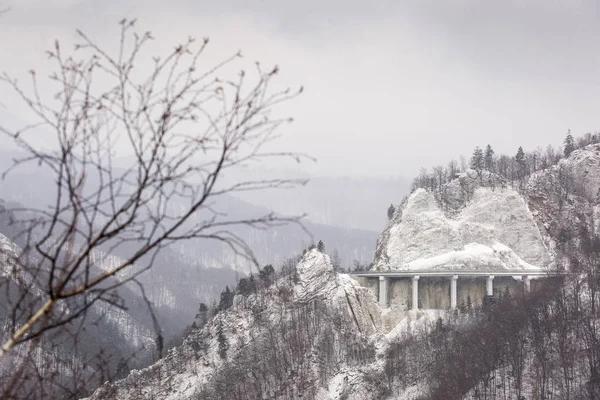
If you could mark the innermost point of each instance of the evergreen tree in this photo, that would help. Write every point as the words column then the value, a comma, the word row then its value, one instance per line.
column 391, row 211
column 520, row 157
column 321, row 246
column 222, row 340
column 477, row 159
column 266, row 275
column 252, row 283
column 488, row 159
column 122, row 369
column 202, row 316
column 244, row 287
column 226, row 300
column 569, row 144
column 521, row 165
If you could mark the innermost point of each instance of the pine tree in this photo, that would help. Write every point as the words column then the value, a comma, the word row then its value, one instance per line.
column 321, row 246
column 226, row 300
column 569, row 144
column 488, row 159
column 252, row 283
column 520, row 159
column 222, row 340
column 244, row 287
column 477, row 159
column 122, row 369
column 266, row 275
column 391, row 211
column 202, row 316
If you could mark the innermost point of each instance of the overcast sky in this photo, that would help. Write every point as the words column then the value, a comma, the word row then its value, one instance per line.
column 391, row 86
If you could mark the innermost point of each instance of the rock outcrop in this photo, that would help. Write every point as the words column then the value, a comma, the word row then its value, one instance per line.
column 494, row 231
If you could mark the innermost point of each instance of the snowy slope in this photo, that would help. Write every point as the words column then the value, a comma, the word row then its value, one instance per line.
column 341, row 303
column 494, row 231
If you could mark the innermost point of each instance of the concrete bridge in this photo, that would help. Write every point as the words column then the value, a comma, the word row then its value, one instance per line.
column 510, row 280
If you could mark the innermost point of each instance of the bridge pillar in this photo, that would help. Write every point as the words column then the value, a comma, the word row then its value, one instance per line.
column 415, row 292
column 383, row 291
column 527, row 281
column 453, row 291
column 490, row 285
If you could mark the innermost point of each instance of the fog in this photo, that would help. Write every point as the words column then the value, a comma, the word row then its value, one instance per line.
column 389, row 88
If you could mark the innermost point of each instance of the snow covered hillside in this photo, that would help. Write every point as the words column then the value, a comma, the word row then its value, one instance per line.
column 317, row 334
column 313, row 334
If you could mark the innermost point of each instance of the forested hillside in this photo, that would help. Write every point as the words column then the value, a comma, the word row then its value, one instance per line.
column 315, row 333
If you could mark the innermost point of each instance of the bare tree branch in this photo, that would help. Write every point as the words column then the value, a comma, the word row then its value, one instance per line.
column 181, row 126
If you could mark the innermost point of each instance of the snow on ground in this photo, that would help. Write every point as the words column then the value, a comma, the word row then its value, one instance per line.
column 494, row 231
column 474, row 256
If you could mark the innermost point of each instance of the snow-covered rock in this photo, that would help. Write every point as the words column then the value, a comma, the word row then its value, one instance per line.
column 494, row 231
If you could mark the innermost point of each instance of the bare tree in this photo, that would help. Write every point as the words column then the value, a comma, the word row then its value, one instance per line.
column 182, row 126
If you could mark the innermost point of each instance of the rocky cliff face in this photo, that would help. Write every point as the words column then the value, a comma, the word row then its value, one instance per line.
column 565, row 199
column 483, row 223
column 494, row 230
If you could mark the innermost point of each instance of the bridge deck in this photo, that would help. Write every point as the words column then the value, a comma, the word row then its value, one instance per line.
column 449, row 273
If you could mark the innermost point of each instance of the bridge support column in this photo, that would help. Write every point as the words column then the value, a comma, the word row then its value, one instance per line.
column 527, row 282
column 383, row 291
column 415, row 292
column 490, row 285
column 453, row 291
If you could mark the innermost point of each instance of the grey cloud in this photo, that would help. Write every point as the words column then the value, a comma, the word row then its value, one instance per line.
column 391, row 86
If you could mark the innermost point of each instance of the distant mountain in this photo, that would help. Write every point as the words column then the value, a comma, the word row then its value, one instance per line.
column 182, row 276
column 350, row 202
